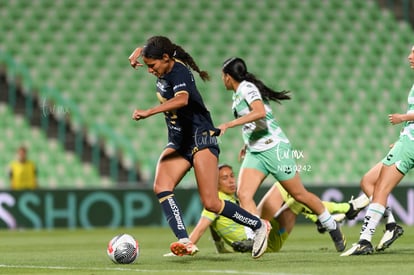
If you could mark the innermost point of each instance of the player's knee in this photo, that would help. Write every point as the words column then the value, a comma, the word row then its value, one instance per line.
column 158, row 188
column 243, row 196
column 364, row 182
column 300, row 197
column 212, row 206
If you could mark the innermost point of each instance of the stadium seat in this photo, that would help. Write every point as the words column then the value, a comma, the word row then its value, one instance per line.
column 55, row 170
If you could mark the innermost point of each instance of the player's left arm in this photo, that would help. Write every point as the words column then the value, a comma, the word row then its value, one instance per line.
column 257, row 111
column 399, row 118
column 178, row 101
column 218, row 241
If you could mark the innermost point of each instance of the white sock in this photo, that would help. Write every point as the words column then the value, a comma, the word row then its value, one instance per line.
column 388, row 215
column 184, row 240
column 327, row 220
column 372, row 218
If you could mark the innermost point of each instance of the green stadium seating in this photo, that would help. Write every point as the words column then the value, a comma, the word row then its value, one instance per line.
column 58, row 169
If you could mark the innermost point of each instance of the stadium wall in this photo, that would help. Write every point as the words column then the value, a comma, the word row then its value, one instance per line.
column 44, row 209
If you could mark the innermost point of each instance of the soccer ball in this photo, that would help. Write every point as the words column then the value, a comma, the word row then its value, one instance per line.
column 123, row 249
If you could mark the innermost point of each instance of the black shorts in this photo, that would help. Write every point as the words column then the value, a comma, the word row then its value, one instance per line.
column 187, row 148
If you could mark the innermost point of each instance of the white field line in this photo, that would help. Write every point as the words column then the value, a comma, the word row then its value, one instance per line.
column 138, row 270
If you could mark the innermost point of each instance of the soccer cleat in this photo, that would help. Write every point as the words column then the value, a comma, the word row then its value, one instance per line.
column 260, row 239
column 356, row 206
column 338, row 238
column 321, row 229
column 337, row 217
column 243, row 246
column 363, row 247
column 183, row 248
column 169, row 254
column 390, row 235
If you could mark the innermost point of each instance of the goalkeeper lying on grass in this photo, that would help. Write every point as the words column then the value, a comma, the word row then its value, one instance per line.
column 276, row 206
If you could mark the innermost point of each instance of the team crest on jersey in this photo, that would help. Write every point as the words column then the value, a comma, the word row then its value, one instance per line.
column 389, row 157
column 288, row 170
column 236, row 100
column 161, row 86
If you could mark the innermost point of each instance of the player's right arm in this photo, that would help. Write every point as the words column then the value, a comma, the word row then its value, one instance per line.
column 133, row 58
column 199, row 229
column 399, row 118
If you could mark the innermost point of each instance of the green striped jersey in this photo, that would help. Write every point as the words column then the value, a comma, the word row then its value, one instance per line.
column 408, row 126
column 261, row 134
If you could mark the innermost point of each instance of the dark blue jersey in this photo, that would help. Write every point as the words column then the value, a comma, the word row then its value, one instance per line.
column 187, row 123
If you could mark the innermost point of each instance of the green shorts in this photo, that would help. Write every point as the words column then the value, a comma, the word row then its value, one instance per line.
column 277, row 161
column 277, row 237
column 401, row 154
column 294, row 206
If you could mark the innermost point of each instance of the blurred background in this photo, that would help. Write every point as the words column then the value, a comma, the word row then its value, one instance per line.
column 67, row 90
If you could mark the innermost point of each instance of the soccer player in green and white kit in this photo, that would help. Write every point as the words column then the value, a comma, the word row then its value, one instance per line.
column 268, row 148
column 397, row 163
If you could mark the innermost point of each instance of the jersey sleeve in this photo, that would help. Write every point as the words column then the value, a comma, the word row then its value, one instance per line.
column 182, row 80
column 251, row 93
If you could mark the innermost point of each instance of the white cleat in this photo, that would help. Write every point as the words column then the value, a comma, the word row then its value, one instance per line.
column 390, row 235
column 169, row 254
column 339, row 217
column 260, row 239
column 363, row 247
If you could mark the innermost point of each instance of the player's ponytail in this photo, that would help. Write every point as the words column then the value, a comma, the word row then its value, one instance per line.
column 157, row 46
column 185, row 57
column 237, row 69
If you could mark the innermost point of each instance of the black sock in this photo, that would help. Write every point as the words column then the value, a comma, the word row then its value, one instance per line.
column 241, row 216
column 172, row 213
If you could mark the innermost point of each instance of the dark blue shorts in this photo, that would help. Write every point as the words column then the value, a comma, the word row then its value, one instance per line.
column 187, row 148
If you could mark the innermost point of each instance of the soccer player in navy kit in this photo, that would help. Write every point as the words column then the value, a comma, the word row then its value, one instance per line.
column 191, row 142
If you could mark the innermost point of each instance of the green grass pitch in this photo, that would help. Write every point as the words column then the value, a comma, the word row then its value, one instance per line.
column 84, row 252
